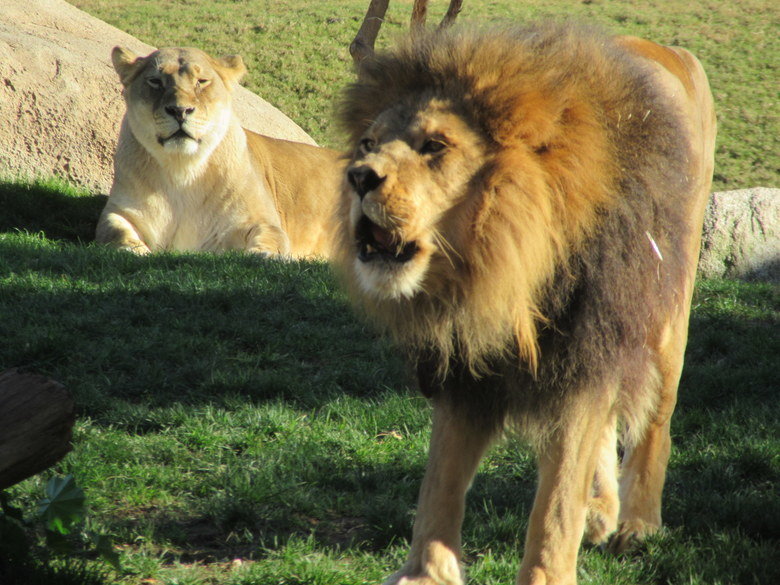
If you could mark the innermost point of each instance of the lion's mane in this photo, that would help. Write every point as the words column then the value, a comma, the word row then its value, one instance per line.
column 554, row 246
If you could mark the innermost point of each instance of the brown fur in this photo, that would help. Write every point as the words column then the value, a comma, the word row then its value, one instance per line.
column 556, row 238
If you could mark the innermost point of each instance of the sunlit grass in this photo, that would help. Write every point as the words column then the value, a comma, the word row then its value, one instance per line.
column 298, row 58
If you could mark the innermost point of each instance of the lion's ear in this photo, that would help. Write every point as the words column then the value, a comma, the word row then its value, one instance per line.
column 126, row 63
column 231, row 68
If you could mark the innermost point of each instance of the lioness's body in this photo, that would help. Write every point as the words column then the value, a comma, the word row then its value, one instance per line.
column 523, row 212
column 305, row 182
column 188, row 177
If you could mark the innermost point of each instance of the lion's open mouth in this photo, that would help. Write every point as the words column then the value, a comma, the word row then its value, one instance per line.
column 377, row 243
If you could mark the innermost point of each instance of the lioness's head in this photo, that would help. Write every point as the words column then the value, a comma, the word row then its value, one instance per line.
column 178, row 99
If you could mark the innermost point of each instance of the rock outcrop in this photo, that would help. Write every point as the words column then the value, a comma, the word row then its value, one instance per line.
column 60, row 99
column 741, row 237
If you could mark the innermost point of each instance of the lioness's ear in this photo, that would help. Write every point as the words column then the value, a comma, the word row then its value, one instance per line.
column 126, row 63
column 231, row 68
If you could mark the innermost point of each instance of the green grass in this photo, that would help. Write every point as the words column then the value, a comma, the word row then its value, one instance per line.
column 298, row 58
column 238, row 426
column 231, row 408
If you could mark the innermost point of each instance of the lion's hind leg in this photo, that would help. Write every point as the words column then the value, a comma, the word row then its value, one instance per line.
column 643, row 470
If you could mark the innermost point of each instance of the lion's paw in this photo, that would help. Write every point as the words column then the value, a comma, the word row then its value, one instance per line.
column 534, row 576
column 630, row 535
column 399, row 579
column 439, row 566
column 601, row 520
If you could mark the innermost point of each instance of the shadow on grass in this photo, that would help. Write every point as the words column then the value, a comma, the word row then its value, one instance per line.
column 53, row 209
column 191, row 329
column 133, row 335
column 72, row 572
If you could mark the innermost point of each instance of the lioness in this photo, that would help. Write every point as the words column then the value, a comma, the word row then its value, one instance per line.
column 523, row 212
column 189, row 177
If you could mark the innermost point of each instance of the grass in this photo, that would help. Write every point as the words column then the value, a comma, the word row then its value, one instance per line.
column 298, row 59
column 237, row 426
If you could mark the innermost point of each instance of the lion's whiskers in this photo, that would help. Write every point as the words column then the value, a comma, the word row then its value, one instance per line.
column 445, row 247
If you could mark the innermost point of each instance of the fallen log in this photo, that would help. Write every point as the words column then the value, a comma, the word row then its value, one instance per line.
column 36, row 424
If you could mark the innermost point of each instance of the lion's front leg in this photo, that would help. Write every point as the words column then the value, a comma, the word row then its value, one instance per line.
column 567, row 464
column 456, row 448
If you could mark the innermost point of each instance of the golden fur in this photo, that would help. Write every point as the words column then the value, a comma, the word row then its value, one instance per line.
column 522, row 212
column 189, row 177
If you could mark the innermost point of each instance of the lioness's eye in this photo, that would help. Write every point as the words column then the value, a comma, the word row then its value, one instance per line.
column 154, row 82
column 203, row 82
column 367, row 144
column 432, row 146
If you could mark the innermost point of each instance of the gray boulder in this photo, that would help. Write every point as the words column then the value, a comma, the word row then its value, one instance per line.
column 60, row 99
column 741, row 237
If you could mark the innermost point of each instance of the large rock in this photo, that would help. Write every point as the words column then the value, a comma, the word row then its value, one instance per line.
column 60, row 99
column 741, row 237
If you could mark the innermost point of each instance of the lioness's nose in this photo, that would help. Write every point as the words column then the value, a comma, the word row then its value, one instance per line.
column 179, row 113
column 363, row 179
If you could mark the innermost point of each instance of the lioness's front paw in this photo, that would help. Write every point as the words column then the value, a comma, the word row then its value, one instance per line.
column 138, row 248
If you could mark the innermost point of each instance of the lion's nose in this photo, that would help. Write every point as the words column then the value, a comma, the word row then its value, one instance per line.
column 363, row 180
column 179, row 113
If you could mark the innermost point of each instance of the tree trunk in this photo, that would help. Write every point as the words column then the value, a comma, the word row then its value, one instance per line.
column 36, row 422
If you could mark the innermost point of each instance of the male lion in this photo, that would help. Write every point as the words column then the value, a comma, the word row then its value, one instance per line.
column 189, row 177
column 522, row 211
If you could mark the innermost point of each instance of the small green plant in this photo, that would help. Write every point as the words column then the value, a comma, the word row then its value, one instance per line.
column 60, row 520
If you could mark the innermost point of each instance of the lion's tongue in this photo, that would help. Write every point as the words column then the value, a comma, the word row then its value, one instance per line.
column 383, row 238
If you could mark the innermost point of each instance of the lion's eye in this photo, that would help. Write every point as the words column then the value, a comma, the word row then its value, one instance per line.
column 203, row 82
column 432, row 146
column 367, row 144
column 154, row 82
